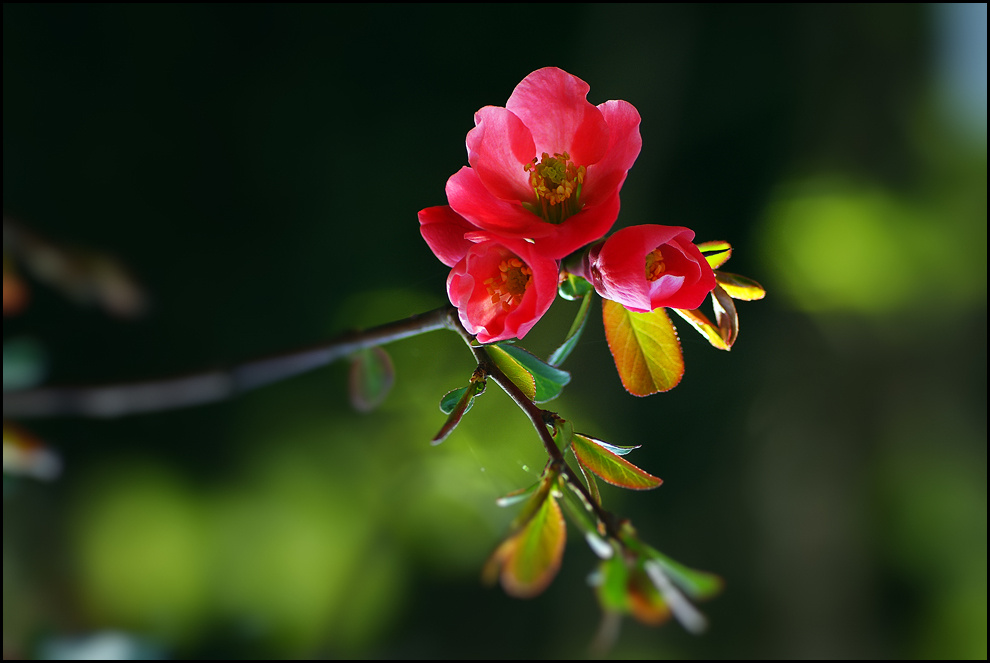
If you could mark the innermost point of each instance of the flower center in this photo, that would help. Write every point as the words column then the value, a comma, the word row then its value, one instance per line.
column 508, row 287
column 556, row 181
column 655, row 266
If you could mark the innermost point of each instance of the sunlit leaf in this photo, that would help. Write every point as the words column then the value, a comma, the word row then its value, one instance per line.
column 716, row 253
column 704, row 326
column 611, row 468
column 725, row 315
column 548, row 380
column 614, row 448
column 371, row 378
column 530, row 559
column 645, row 348
column 574, row 333
column 513, row 369
column 740, row 287
column 456, row 404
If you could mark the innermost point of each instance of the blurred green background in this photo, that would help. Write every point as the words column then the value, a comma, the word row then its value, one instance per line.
column 259, row 170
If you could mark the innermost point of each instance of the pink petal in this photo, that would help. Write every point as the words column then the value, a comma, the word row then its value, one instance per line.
column 444, row 231
column 585, row 227
column 554, row 106
column 624, row 145
column 470, row 198
column 498, row 148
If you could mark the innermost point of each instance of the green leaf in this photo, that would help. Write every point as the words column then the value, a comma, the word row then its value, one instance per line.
column 563, row 433
column 740, row 287
column 716, row 253
column 574, row 287
column 645, row 348
column 611, row 468
column 371, row 378
column 617, row 450
column 574, row 334
column 530, row 559
column 456, row 404
column 612, row 584
column 513, row 369
column 704, row 326
column 548, row 381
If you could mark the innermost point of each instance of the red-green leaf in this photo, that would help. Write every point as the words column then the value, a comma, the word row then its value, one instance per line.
column 371, row 378
column 513, row 370
column 716, row 253
column 456, row 404
column 611, row 468
column 645, row 348
column 740, row 287
column 530, row 559
column 704, row 326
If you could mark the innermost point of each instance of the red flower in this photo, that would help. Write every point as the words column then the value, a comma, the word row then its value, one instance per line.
column 548, row 166
column 646, row 267
column 500, row 286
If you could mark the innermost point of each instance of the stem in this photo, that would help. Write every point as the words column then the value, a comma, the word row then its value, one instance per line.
column 536, row 415
column 118, row 400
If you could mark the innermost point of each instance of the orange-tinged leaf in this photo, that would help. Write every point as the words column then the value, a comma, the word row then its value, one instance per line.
column 740, row 287
column 646, row 603
column 531, row 558
column 704, row 326
column 645, row 348
column 614, row 469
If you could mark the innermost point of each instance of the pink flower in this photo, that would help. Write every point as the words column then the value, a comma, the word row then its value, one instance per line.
column 646, row 267
column 548, row 166
column 500, row 286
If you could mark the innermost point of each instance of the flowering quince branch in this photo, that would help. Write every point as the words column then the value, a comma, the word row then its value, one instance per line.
column 525, row 221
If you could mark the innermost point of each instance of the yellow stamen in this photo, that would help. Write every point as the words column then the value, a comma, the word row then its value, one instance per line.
column 557, row 185
column 655, row 266
column 509, row 286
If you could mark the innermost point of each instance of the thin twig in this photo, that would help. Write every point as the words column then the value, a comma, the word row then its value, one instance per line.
column 118, row 400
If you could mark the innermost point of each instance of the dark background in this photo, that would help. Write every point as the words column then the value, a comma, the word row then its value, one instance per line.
column 259, row 170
